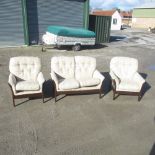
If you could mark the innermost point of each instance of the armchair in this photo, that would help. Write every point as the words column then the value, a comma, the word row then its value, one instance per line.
column 125, row 78
column 26, row 78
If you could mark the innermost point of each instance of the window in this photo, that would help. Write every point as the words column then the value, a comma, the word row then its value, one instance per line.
column 114, row 21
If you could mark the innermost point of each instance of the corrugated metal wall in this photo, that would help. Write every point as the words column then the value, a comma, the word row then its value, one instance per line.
column 101, row 26
column 42, row 13
column 11, row 23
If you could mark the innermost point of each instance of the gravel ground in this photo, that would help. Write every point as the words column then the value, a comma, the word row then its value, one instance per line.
column 82, row 124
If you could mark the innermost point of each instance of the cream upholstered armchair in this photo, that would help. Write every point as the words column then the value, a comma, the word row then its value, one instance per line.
column 75, row 75
column 125, row 78
column 26, row 78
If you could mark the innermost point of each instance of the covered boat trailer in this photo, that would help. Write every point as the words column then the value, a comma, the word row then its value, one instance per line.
column 60, row 35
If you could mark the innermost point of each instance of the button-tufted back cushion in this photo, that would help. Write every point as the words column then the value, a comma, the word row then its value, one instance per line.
column 25, row 68
column 63, row 66
column 85, row 67
column 124, row 67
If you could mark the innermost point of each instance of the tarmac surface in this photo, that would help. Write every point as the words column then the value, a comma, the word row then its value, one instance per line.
column 82, row 124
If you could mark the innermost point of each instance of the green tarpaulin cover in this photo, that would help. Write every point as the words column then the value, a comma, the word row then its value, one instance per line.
column 70, row 32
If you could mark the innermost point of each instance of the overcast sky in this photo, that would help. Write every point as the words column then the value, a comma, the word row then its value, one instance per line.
column 121, row 4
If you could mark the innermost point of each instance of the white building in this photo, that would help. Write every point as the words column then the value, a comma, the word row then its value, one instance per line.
column 116, row 19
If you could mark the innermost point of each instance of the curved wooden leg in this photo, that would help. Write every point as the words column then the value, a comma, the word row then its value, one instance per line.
column 140, row 93
column 55, row 99
column 13, row 99
column 139, row 97
column 55, row 96
column 43, row 97
column 113, row 95
column 100, row 94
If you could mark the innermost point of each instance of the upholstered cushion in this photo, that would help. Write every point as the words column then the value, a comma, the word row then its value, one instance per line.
column 68, row 84
column 89, row 82
column 63, row 66
column 129, row 85
column 25, row 68
column 84, row 67
column 124, row 67
column 27, row 86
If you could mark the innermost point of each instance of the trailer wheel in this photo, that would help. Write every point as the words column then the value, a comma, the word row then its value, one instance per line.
column 58, row 47
column 76, row 47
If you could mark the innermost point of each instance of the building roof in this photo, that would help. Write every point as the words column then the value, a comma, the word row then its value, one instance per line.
column 146, row 5
column 104, row 12
column 126, row 14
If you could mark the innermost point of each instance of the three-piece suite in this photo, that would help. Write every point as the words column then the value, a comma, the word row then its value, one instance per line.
column 73, row 75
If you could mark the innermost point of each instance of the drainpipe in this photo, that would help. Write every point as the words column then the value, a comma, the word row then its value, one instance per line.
column 86, row 14
column 25, row 22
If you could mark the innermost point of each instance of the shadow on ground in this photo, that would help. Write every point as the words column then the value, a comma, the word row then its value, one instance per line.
column 48, row 90
column 106, row 83
column 116, row 38
column 146, row 86
column 69, row 47
column 96, row 46
column 152, row 152
column 20, row 103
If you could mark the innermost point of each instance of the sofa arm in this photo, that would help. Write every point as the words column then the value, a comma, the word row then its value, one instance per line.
column 40, row 79
column 54, row 78
column 114, row 77
column 138, row 78
column 98, row 75
column 12, row 82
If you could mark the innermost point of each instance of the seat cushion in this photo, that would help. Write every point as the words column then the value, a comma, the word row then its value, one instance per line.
column 89, row 82
column 129, row 85
column 68, row 84
column 27, row 86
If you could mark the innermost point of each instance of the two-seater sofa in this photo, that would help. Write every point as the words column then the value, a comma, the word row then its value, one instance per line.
column 75, row 75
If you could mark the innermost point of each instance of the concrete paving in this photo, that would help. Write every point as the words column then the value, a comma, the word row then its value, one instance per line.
column 82, row 124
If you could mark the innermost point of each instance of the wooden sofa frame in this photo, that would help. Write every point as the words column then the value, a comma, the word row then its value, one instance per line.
column 80, row 92
column 24, row 95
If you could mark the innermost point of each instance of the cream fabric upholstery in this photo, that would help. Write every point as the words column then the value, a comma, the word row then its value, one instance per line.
column 85, row 67
column 113, row 76
column 124, row 67
column 129, row 85
column 12, row 81
column 89, row 82
column 25, row 68
column 63, row 66
column 25, row 75
column 124, row 71
column 98, row 75
column 27, row 86
column 40, row 79
column 68, row 84
column 81, row 88
column 79, row 73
